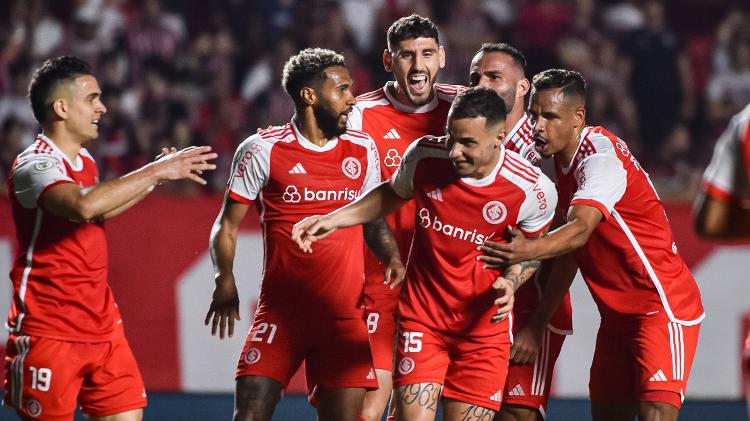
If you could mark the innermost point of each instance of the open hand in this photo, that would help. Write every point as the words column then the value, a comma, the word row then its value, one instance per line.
column 505, row 298
column 517, row 249
column 310, row 230
column 224, row 308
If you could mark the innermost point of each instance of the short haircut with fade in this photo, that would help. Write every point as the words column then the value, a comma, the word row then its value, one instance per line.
column 411, row 27
column 46, row 78
column 478, row 102
column 306, row 68
column 570, row 83
column 501, row 47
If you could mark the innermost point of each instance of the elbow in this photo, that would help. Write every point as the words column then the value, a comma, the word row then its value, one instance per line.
column 85, row 212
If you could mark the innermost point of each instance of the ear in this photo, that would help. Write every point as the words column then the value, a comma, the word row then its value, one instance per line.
column 580, row 117
column 60, row 107
column 522, row 88
column 308, row 95
column 500, row 138
column 441, row 56
column 387, row 61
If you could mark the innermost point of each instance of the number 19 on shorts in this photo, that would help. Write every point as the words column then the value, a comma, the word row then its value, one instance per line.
column 40, row 378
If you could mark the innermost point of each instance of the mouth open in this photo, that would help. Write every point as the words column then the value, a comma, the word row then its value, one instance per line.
column 418, row 83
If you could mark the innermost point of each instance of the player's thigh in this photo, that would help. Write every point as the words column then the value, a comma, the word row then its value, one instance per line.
column 275, row 348
column 612, row 379
column 528, row 385
column 42, row 377
column 421, row 355
column 382, row 329
column 613, row 411
column 416, row 402
column 132, row 415
column 341, row 356
column 664, row 353
column 478, row 369
column 255, row 397
column 376, row 400
column 342, row 404
column 458, row 410
column 114, row 385
column 510, row 412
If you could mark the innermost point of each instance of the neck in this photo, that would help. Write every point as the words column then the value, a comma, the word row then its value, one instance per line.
column 487, row 169
column 570, row 150
column 66, row 142
column 308, row 127
column 514, row 115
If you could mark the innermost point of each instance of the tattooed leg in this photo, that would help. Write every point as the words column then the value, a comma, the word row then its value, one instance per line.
column 461, row 411
column 417, row 402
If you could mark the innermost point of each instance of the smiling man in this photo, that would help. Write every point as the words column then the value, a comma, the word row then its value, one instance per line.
column 67, row 342
column 310, row 307
column 618, row 232
column 466, row 188
column 405, row 109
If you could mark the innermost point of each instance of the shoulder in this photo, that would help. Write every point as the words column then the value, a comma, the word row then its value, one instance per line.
column 267, row 138
column 447, row 92
column 39, row 154
column 520, row 171
column 358, row 137
column 371, row 99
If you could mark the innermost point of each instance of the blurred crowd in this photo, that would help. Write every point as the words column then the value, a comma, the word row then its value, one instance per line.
column 663, row 75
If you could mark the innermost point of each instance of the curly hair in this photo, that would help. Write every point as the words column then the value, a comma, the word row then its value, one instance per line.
column 501, row 47
column 478, row 102
column 411, row 27
column 307, row 67
column 46, row 78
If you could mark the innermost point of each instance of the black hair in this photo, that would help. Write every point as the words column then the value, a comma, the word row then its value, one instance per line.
column 478, row 102
column 411, row 27
column 570, row 83
column 501, row 47
column 46, row 78
column 307, row 67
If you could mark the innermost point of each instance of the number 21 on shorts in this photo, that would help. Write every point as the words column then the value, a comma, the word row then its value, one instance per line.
column 412, row 341
column 264, row 332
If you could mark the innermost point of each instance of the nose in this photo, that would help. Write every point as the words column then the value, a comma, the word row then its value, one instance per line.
column 538, row 125
column 419, row 62
column 455, row 151
column 483, row 81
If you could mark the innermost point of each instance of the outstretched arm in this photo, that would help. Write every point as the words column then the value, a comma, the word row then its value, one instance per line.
column 377, row 203
column 68, row 200
column 582, row 221
column 225, row 304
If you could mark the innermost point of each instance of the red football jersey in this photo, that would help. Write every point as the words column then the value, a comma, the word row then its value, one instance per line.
column 59, row 276
column 520, row 140
column 394, row 126
column 289, row 178
column 447, row 288
column 728, row 175
column 630, row 262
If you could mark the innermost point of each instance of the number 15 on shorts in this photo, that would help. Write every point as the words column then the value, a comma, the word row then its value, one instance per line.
column 412, row 341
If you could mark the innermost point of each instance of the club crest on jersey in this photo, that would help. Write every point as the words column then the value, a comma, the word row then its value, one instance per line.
column 351, row 168
column 494, row 212
column 406, row 365
column 34, row 408
column 44, row 165
column 252, row 356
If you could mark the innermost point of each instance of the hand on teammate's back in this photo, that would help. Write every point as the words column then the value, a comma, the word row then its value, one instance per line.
column 187, row 163
column 505, row 254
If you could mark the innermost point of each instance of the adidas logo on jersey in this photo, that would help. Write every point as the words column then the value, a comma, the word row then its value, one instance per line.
column 517, row 391
column 658, row 377
column 392, row 135
column 298, row 169
column 497, row 396
column 436, row 194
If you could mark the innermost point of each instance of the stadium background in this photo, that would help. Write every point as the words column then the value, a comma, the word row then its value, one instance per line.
column 664, row 76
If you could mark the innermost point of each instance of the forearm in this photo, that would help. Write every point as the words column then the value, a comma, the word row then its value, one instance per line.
column 556, row 275
column 376, row 204
column 565, row 239
column 127, row 205
column 110, row 195
column 519, row 273
column 223, row 245
column 379, row 238
column 721, row 220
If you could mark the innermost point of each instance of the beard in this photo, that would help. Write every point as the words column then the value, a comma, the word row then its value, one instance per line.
column 328, row 120
column 509, row 99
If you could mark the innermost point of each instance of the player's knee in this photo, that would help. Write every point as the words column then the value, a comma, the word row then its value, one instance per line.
column 371, row 412
column 518, row 413
column 657, row 411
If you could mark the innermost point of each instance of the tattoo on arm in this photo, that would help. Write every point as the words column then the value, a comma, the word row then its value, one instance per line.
column 477, row 413
column 423, row 394
column 380, row 240
column 519, row 273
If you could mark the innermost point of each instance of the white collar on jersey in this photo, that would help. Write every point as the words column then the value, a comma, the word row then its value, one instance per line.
column 489, row 178
column 409, row 108
column 76, row 166
column 518, row 125
column 582, row 136
column 311, row 146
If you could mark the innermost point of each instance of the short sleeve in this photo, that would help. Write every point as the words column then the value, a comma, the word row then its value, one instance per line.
column 35, row 174
column 402, row 180
column 724, row 176
column 538, row 209
column 354, row 121
column 372, row 176
column 250, row 169
column 601, row 181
